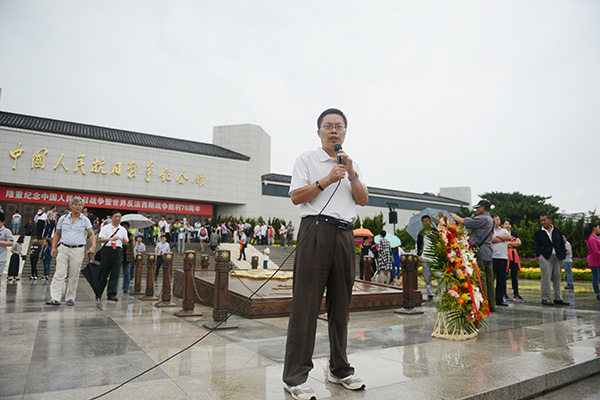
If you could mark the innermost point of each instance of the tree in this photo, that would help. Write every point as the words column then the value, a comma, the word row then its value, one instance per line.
column 518, row 206
column 357, row 223
column 465, row 212
column 408, row 243
column 375, row 224
column 526, row 229
column 573, row 229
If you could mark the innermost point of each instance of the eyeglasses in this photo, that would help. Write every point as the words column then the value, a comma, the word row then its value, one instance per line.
column 338, row 127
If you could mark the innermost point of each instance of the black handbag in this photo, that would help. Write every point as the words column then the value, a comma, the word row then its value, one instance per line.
column 98, row 255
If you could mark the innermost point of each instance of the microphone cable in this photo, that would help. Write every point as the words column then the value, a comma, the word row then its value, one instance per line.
column 233, row 312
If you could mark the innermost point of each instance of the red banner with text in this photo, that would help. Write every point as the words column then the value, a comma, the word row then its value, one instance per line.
column 53, row 197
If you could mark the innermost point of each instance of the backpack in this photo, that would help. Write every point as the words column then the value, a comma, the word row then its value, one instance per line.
column 202, row 231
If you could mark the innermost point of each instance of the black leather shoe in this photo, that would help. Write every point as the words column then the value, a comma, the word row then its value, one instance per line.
column 501, row 304
column 547, row 303
column 561, row 302
column 112, row 299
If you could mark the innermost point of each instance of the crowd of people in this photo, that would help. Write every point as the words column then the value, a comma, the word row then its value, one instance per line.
column 64, row 235
column 497, row 255
column 498, row 249
column 179, row 232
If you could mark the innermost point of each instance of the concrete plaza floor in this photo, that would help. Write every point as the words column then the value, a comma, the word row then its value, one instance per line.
column 49, row 352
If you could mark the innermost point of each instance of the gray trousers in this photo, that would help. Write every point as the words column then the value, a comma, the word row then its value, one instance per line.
column 550, row 271
column 325, row 258
column 486, row 271
column 427, row 277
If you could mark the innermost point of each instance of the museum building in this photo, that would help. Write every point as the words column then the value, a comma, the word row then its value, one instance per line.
column 46, row 162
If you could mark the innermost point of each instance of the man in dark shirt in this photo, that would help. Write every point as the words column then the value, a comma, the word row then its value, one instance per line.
column 34, row 256
column 549, row 246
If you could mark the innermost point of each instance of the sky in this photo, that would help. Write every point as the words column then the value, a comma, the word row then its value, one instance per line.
column 498, row 96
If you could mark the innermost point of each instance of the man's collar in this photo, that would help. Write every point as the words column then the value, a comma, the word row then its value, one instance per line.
column 549, row 230
column 323, row 156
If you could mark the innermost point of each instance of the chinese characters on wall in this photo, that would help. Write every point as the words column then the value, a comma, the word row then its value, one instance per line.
column 99, row 166
column 8, row 193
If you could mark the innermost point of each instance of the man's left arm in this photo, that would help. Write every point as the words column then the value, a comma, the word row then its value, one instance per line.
column 92, row 236
column 359, row 190
column 124, row 236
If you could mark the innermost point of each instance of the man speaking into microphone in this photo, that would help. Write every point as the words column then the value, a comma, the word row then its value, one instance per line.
column 324, row 257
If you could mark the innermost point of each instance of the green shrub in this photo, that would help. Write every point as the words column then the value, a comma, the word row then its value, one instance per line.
column 530, row 263
column 580, row 264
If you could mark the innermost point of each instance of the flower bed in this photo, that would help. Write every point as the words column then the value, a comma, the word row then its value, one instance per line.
column 584, row 274
column 530, row 269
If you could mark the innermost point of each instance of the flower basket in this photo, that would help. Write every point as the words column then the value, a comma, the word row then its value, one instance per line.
column 445, row 329
column 462, row 307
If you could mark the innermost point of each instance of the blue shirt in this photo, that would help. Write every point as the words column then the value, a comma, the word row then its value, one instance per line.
column 73, row 233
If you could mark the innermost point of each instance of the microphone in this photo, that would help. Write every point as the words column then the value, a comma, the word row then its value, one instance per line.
column 337, row 149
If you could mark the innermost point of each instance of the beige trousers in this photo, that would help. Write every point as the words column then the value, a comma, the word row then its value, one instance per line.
column 66, row 260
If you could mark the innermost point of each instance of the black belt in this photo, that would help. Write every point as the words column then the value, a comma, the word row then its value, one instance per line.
column 71, row 247
column 333, row 221
column 114, row 248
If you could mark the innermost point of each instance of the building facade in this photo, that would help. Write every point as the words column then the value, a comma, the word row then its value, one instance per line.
column 46, row 162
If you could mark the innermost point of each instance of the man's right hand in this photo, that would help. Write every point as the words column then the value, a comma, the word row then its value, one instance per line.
column 53, row 253
column 337, row 173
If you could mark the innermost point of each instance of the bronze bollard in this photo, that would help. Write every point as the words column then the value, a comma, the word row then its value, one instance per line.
column 150, row 279
column 165, row 298
column 409, row 284
column 137, row 287
column 189, row 283
column 221, row 303
column 203, row 261
column 368, row 268
column 254, row 262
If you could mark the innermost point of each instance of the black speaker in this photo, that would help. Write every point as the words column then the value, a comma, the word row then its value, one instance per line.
column 393, row 217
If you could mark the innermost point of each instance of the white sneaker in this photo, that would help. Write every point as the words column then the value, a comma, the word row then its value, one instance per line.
column 301, row 392
column 350, row 382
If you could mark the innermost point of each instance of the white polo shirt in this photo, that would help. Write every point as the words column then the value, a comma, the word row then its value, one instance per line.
column 108, row 230
column 500, row 249
column 314, row 165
